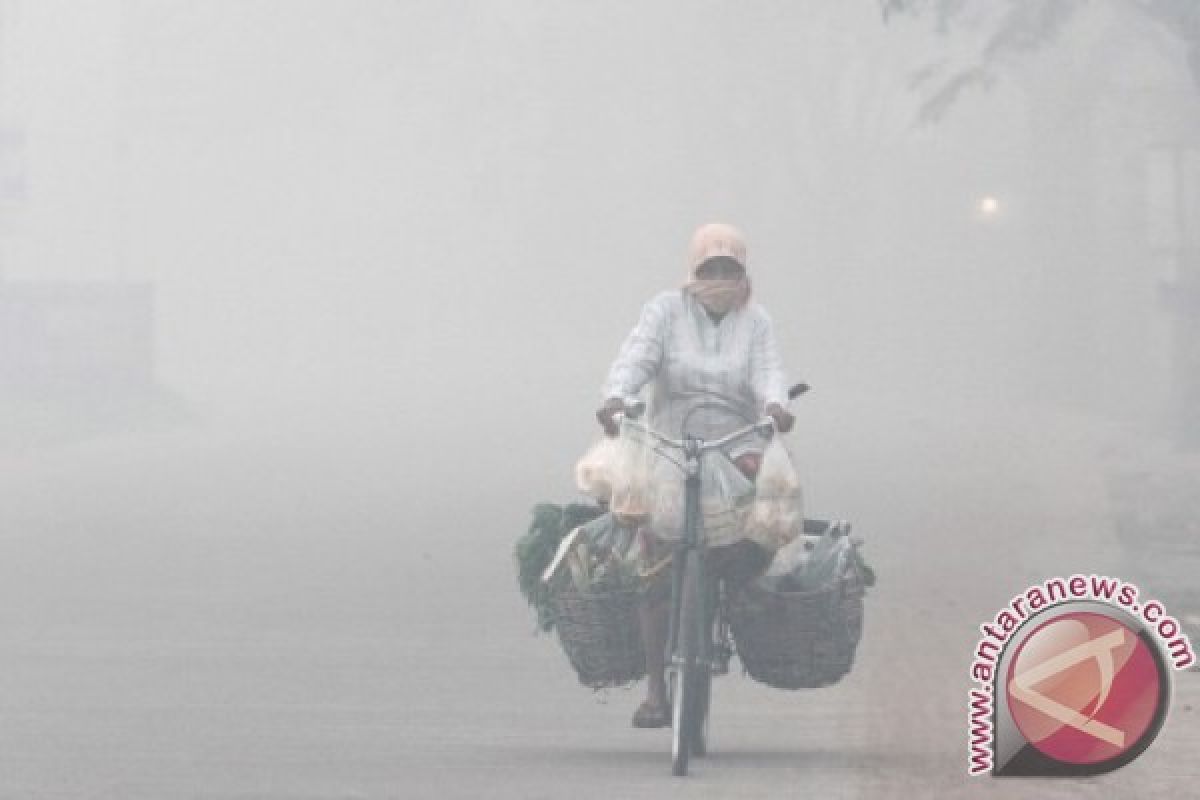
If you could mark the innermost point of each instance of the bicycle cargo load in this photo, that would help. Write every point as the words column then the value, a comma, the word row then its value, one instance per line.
column 594, row 592
column 537, row 548
column 798, row 627
column 598, row 630
column 775, row 517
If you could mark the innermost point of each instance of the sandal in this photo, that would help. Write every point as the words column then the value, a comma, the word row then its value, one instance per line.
column 652, row 716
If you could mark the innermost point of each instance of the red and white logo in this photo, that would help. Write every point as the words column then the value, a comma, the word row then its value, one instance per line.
column 1083, row 688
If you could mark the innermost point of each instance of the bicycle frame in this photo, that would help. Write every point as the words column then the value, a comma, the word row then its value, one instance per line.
column 691, row 663
column 692, row 540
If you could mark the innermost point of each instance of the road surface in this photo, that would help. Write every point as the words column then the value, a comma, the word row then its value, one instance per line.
column 193, row 614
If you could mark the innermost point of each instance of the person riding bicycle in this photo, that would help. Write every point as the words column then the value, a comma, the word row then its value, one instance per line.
column 712, row 363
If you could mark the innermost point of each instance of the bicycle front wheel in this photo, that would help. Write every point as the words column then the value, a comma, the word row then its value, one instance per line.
column 688, row 684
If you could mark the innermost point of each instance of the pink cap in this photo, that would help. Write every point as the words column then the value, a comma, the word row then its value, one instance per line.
column 715, row 239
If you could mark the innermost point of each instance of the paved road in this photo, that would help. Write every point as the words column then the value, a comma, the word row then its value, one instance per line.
column 228, row 616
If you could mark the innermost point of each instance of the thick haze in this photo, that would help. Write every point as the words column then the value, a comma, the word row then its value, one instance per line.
column 435, row 222
column 394, row 247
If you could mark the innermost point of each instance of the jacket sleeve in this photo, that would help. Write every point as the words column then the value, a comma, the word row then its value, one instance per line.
column 640, row 355
column 766, row 367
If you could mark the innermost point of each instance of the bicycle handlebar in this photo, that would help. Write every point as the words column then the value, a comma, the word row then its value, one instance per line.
column 765, row 427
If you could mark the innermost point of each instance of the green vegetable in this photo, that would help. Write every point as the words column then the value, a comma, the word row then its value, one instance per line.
column 536, row 548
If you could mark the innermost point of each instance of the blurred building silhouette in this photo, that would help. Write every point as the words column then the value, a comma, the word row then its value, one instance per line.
column 66, row 337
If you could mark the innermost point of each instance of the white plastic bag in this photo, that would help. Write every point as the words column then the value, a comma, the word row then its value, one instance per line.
column 594, row 473
column 823, row 562
column 667, row 520
column 725, row 494
column 622, row 471
column 792, row 556
column 632, row 480
column 776, row 517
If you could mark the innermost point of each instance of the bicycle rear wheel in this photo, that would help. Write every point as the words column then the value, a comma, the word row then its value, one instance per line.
column 707, row 653
column 701, row 699
column 689, row 673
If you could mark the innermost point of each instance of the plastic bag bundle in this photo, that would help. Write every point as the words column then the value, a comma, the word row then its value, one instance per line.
column 595, row 472
column 667, row 519
column 633, row 479
column 776, row 517
column 726, row 493
column 813, row 562
column 809, row 563
column 644, row 488
column 727, row 496
column 794, row 556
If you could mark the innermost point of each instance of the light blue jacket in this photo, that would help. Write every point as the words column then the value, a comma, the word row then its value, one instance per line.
column 714, row 377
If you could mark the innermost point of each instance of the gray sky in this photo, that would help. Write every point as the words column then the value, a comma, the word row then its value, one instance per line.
column 371, row 209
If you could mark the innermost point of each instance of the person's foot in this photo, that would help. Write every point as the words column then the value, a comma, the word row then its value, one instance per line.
column 652, row 715
column 722, row 652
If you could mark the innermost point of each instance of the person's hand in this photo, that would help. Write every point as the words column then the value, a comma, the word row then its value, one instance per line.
column 784, row 419
column 612, row 406
column 749, row 464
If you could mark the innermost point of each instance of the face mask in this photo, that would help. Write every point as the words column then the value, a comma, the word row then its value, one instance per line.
column 720, row 268
column 720, row 295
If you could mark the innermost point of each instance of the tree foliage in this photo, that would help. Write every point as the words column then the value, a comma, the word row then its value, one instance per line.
column 1013, row 29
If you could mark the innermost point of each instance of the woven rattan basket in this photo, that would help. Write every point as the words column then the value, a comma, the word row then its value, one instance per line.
column 798, row 640
column 598, row 630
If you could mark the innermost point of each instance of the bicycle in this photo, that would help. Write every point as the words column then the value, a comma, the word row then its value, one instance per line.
column 690, row 639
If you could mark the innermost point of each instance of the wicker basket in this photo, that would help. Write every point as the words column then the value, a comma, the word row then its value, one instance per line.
column 798, row 640
column 598, row 630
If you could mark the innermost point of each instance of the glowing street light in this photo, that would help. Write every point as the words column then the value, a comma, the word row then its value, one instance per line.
column 988, row 206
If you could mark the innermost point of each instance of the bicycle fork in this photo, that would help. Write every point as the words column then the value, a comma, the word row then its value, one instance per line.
column 690, row 543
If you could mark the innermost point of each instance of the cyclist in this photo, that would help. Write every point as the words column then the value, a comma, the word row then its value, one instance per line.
column 711, row 361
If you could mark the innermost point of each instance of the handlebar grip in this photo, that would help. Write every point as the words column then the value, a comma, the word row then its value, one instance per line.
column 635, row 410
